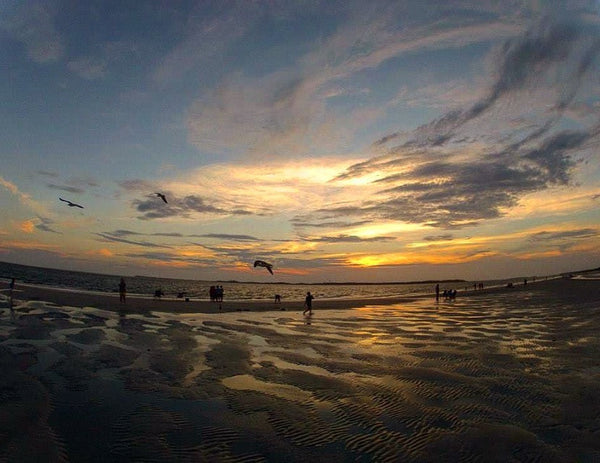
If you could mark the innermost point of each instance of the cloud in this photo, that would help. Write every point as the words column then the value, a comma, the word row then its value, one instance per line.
column 342, row 238
column 220, row 236
column 554, row 236
column 46, row 173
column 23, row 198
column 225, row 236
column 32, row 23
column 289, row 112
column 96, row 65
column 69, row 189
column 27, row 226
column 245, row 189
column 443, row 186
column 183, row 207
column 117, row 238
column 303, row 221
column 88, row 68
column 444, row 237
column 136, row 185
column 524, row 62
column 208, row 36
column 44, row 225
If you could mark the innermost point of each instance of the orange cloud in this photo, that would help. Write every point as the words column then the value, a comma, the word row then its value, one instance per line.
column 101, row 252
column 27, row 226
column 28, row 245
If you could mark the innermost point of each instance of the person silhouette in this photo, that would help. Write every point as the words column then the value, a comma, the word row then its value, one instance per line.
column 10, row 295
column 308, row 304
column 122, row 290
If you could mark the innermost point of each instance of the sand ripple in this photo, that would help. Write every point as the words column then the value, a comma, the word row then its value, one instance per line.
column 495, row 378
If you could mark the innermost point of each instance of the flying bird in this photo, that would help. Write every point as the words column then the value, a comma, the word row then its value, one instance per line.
column 70, row 204
column 262, row 263
column 161, row 196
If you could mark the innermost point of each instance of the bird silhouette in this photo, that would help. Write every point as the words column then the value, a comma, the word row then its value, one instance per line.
column 71, row 204
column 161, row 196
column 262, row 263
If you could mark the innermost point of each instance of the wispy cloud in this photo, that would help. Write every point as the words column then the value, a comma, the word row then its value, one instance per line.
column 342, row 238
column 563, row 240
column 88, row 68
column 445, row 187
column 44, row 224
column 118, row 239
column 23, row 198
column 67, row 188
column 184, row 207
column 286, row 113
column 225, row 236
column 32, row 23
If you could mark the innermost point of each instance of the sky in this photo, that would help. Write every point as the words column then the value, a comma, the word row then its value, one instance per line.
column 338, row 140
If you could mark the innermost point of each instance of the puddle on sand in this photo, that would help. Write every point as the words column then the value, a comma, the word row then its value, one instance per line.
column 283, row 391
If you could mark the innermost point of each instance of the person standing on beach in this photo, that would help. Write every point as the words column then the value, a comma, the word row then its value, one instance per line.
column 10, row 294
column 308, row 304
column 122, row 290
column 437, row 292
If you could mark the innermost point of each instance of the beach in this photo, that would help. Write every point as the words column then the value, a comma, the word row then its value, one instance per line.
column 501, row 374
column 142, row 304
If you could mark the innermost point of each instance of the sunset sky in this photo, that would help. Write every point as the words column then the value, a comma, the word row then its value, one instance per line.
column 340, row 141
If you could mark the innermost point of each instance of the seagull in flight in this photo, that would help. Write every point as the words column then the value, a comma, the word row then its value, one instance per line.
column 262, row 263
column 161, row 196
column 70, row 204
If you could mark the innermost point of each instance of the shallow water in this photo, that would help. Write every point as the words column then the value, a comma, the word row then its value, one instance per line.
column 504, row 377
column 196, row 289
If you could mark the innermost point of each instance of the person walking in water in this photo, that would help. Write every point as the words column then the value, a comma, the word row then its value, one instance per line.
column 308, row 304
column 122, row 290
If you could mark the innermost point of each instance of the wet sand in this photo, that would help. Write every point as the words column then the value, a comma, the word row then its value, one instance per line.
column 497, row 375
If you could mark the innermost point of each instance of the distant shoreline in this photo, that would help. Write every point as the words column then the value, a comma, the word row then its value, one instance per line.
column 330, row 283
column 140, row 304
column 249, row 282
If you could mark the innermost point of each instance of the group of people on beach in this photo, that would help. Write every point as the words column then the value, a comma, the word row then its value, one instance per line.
column 447, row 294
column 216, row 293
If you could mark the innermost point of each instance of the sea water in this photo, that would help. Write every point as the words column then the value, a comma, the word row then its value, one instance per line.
column 199, row 289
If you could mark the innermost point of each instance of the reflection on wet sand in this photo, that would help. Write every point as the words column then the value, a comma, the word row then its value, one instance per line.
column 512, row 375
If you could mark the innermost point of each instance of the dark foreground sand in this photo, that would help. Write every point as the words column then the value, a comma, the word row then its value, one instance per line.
column 500, row 375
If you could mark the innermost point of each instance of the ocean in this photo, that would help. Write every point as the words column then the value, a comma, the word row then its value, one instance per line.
column 199, row 290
